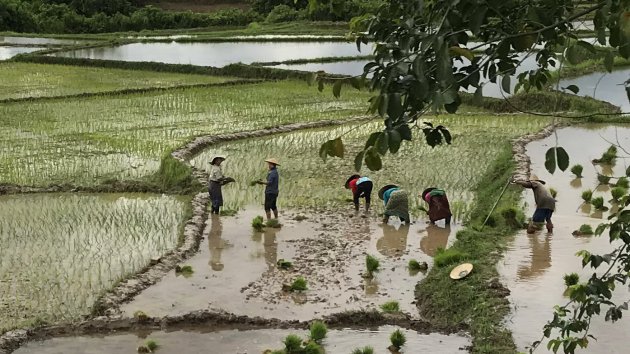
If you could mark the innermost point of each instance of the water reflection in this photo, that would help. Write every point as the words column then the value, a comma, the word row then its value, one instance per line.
column 540, row 257
column 576, row 183
column 215, row 243
column 271, row 247
column 10, row 52
column 436, row 237
column 603, row 86
column 394, row 240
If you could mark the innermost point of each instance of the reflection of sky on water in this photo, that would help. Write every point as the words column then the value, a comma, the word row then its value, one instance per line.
column 604, row 86
column 217, row 54
column 35, row 40
column 10, row 52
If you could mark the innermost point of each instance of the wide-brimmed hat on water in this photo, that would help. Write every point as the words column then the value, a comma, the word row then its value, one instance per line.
column 535, row 178
column 347, row 184
column 384, row 189
column 461, row 271
column 273, row 161
column 215, row 157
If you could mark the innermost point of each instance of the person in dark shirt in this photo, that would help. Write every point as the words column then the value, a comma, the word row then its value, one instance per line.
column 361, row 187
column 271, row 188
column 545, row 204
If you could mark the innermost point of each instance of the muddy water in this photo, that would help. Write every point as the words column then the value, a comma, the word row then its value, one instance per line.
column 10, row 52
column 248, row 341
column 603, row 86
column 535, row 264
column 236, row 271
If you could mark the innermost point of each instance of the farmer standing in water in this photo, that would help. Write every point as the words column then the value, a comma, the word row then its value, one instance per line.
column 361, row 187
column 271, row 188
column 545, row 204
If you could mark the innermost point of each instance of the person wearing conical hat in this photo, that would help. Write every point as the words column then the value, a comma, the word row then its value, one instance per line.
column 361, row 187
column 271, row 188
column 545, row 204
column 439, row 207
column 396, row 203
column 217, row 180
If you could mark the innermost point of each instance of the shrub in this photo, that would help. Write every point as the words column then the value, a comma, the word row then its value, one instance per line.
column 623, row 183
column 618, row 193
column 587, row 195
column 258, row 223
column 577, row 170
column 318, row 331
column 299, row 284
column 603, row 179
column 586, row 229
column 449, row 256
column 282, row 13
column 397, row 339
column 390, row 307
column 293, row 344
column 598, row 203
column 372, row 265
column 365, row 350
column 571, row 279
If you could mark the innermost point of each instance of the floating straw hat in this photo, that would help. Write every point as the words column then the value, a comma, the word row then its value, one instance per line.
column 461, row 271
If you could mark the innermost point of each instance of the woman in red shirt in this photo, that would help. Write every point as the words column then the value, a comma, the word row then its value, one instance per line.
column 361, row 187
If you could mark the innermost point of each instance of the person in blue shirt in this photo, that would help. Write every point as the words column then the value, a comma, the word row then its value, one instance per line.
column 271, row 188
column 396, row 203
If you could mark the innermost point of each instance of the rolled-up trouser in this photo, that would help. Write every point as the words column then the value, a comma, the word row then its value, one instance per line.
column 270, row 201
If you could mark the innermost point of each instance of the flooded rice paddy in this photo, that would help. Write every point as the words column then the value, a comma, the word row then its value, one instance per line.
column 603, row 86
column 59, row 251
column 36, row 40
column 236, row 269
column 10, row 52
column 194, row 341
column 535, row 264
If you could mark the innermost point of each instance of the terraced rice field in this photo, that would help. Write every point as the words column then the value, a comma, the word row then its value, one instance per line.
column 307, row 181
column 60, row 251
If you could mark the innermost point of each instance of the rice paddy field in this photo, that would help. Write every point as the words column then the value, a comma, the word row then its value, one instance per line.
column 86, row 141
column 60, row 251
column 308, row 181
column 21, row 80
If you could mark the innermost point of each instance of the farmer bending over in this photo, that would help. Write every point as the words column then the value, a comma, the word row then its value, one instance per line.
column 271, row 188
column 361, row 187
column 545, row 204
column 396, row 203
column 439, row 207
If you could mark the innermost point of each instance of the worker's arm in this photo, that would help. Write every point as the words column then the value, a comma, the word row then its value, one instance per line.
column 525, row 184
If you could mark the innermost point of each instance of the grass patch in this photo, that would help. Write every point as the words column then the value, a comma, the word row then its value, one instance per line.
column 372, row 265
column 447, row 303
column 577, row 170
column 318, row 331
column 390, row 307
column 258, row 223
column 398, row 339
column 299, row 284
column 414, row 265
column 445, row 257
column 364, row 350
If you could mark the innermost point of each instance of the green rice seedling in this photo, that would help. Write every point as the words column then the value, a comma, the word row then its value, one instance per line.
column 258, row 223
column 414, row 265
column 445, row 257
column 293, row 344
column 186, row 270
column 587, row 195
column 312, row 348
column 623, row 182
column 602, row 179
column 609, row 156
column 299, row 284
column 364, row 350
column 318, row 331
column 151, row 344
column 228, row 212
column 390, row 307
column 273, row 223
column 577, row 170
column 140, row 316
column 598, row 203
column 618, row 193
column 571, row 279
column 143, row 349
column 398, row 339
column 553, row 192
column 586, row 229
column 372, row 265
column 284, row 265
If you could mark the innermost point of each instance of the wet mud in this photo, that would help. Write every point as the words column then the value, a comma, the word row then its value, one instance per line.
column 236, row 269
column 534, row 265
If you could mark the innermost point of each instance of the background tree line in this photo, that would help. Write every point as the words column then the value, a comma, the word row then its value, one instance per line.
column 97, row 16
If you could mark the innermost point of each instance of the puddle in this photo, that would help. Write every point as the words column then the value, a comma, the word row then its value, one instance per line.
column 604, row 86
column 534, row 265
column 236, row 271
column 216, row 54
column 192, row 341
column 10, row 52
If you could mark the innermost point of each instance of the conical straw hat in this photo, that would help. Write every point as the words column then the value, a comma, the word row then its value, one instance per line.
column 461, row 271
column 533, row 177
column 273, row 161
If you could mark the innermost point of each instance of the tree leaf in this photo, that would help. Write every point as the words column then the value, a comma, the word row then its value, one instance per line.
column 478, row 96
column 336, row 148
column 320, row 84
column 371, row 140
column 405, row 132
column 447, row 135
column 550, row 160
column 356, row 83
column 609, row 61
column 505, row 83
column 628, row 95
column 572, row 88
column 382, row 143
column 323, row 150
column 337, row 88
column 394, row 106
column 562, row 158
column 373, row 159
column 383, row 103
column 461, row 52
column 587, row 46
column 394, row 141
column 572, row 55
column 358, row 161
